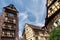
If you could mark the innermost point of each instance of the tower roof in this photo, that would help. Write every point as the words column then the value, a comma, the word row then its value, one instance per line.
column 34, row 27
column 11, row 7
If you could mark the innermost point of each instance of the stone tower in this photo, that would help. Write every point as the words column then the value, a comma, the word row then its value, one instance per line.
column 9, row 23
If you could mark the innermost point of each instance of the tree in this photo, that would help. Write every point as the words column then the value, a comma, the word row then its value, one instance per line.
column 55, row 34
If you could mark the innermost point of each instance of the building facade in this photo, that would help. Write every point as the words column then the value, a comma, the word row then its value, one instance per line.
column 32, row 32
column 9, row 23
column 53, row 11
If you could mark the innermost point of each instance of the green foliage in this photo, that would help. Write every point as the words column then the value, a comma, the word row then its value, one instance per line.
column 55, row 34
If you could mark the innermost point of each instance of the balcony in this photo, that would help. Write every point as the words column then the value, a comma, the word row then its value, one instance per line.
column 7, row 34
column 8, row 27
column 13, row 21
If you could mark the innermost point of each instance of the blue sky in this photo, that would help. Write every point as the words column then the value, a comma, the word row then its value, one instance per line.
column 30, row 11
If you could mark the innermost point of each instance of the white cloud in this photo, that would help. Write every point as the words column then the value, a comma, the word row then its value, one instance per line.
column 40, row 24
column 34, row 0
column 3, row 3
column 20, row 2
column 21, row 25
column 23, row 16
column 20, row 33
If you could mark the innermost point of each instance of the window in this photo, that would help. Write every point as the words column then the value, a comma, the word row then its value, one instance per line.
column 6, row 18
column 57, row 5
column 57, row 22
column 36, row 38
column 3, row 25
column 58, row 0
column 26, row 29
column 53, row 7
column 9, row 26
column 2, row 33
column 52, row 27
column 8, row 33
column 11, row 14
column 12, row 34
column 14, row 21
column 31, row 39
column 50, row 11
column 49, row 2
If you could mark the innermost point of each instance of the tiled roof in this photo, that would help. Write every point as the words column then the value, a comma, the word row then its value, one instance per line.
column 34, row 27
